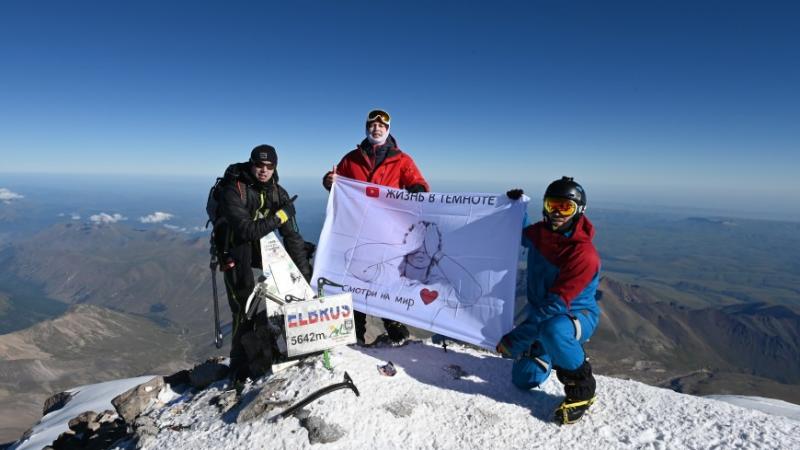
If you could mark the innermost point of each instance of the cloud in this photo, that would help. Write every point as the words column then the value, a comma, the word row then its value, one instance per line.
column 156, row 217
column 73, row 216
column 107, row 218
column 178, row 229
column 6, row 196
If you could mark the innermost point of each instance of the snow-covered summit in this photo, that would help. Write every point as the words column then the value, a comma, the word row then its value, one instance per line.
column 462, row 398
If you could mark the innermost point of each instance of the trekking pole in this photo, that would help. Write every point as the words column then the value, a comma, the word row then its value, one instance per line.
column 346, row 384
column 217, row 328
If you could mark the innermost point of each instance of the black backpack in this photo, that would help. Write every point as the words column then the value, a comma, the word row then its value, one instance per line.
column 219, row 226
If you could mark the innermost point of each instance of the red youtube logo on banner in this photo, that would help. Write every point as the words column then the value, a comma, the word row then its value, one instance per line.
column 373, row 191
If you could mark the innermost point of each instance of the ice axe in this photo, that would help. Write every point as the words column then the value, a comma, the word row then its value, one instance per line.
column 259, row 292
column 322, row 282
column 346, row 384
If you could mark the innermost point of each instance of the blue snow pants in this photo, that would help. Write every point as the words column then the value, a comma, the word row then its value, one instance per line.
column 560, row 344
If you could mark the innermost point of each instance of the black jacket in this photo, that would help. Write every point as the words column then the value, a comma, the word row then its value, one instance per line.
column 249, row 207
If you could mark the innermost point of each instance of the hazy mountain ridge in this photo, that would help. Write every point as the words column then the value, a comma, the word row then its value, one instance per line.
column 87, row 344
column 702, row 262
column 660, row 341
column 159, row 273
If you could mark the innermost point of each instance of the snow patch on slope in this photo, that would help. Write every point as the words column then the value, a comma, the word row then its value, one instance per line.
column 94, row 397
column 462, row 398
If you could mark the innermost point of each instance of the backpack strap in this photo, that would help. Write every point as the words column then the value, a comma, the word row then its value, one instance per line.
column 239, row 188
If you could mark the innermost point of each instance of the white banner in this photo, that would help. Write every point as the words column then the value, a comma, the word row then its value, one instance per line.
column 446, row 263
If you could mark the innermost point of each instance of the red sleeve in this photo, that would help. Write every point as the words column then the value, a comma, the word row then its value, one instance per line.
column 576, row 273
column 411, row 175
column 344, row 167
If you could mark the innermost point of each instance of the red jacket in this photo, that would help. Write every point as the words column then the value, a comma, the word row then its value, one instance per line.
column 397, row 170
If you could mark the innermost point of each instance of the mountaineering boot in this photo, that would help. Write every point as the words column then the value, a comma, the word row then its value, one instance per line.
column 360, row 320
column 397, row 332
column 570, row 412
column 579, row 387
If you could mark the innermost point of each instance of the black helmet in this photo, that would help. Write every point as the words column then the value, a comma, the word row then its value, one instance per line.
column 566, row 187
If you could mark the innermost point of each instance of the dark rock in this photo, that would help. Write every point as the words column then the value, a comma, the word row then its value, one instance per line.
column 63, row 440
column 262, row 401
column 225, row 401
column 56, row 402
column 93, row 431
column 107, row 416
column 135, row 401
column 178, row 378
column 107, row 434
column 145, row 426
column 83, row 422
column 204, row 374
column 320, row 432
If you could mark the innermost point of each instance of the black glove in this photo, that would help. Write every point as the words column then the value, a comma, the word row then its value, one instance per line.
column 327, row 182
column 415, row 188
column 287, row 211
column 515, row 194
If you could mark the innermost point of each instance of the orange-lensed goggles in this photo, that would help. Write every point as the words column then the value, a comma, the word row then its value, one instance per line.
column 377, row 114
column 565, row 207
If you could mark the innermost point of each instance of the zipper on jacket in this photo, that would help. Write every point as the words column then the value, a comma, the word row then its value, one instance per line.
column 375, row 168
column 260, row 207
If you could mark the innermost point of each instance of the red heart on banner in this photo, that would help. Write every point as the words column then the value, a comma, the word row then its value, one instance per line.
column 428, row 296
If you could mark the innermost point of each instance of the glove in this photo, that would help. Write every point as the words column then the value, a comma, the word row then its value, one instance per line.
column 415, row 188
column 287, row 211
column 327, row 180
column 514, row 194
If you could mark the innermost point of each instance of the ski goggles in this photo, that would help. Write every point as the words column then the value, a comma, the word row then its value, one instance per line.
column 564, row 206
column 380, row 115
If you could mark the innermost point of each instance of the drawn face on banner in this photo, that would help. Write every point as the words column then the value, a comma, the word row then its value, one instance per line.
column 429, row 245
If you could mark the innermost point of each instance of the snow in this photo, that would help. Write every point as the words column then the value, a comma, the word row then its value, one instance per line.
column 462, row 398
column 767, row 405
column 95, row 397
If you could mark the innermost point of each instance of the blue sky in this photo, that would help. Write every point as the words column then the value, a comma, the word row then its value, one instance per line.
column 659, row 100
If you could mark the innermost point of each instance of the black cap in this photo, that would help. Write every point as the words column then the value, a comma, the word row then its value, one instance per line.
column 264, row 153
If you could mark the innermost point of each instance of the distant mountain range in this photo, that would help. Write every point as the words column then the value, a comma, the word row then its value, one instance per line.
column 748, row 349
column 86, row 343
column 685, row 306
column 157, row 273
